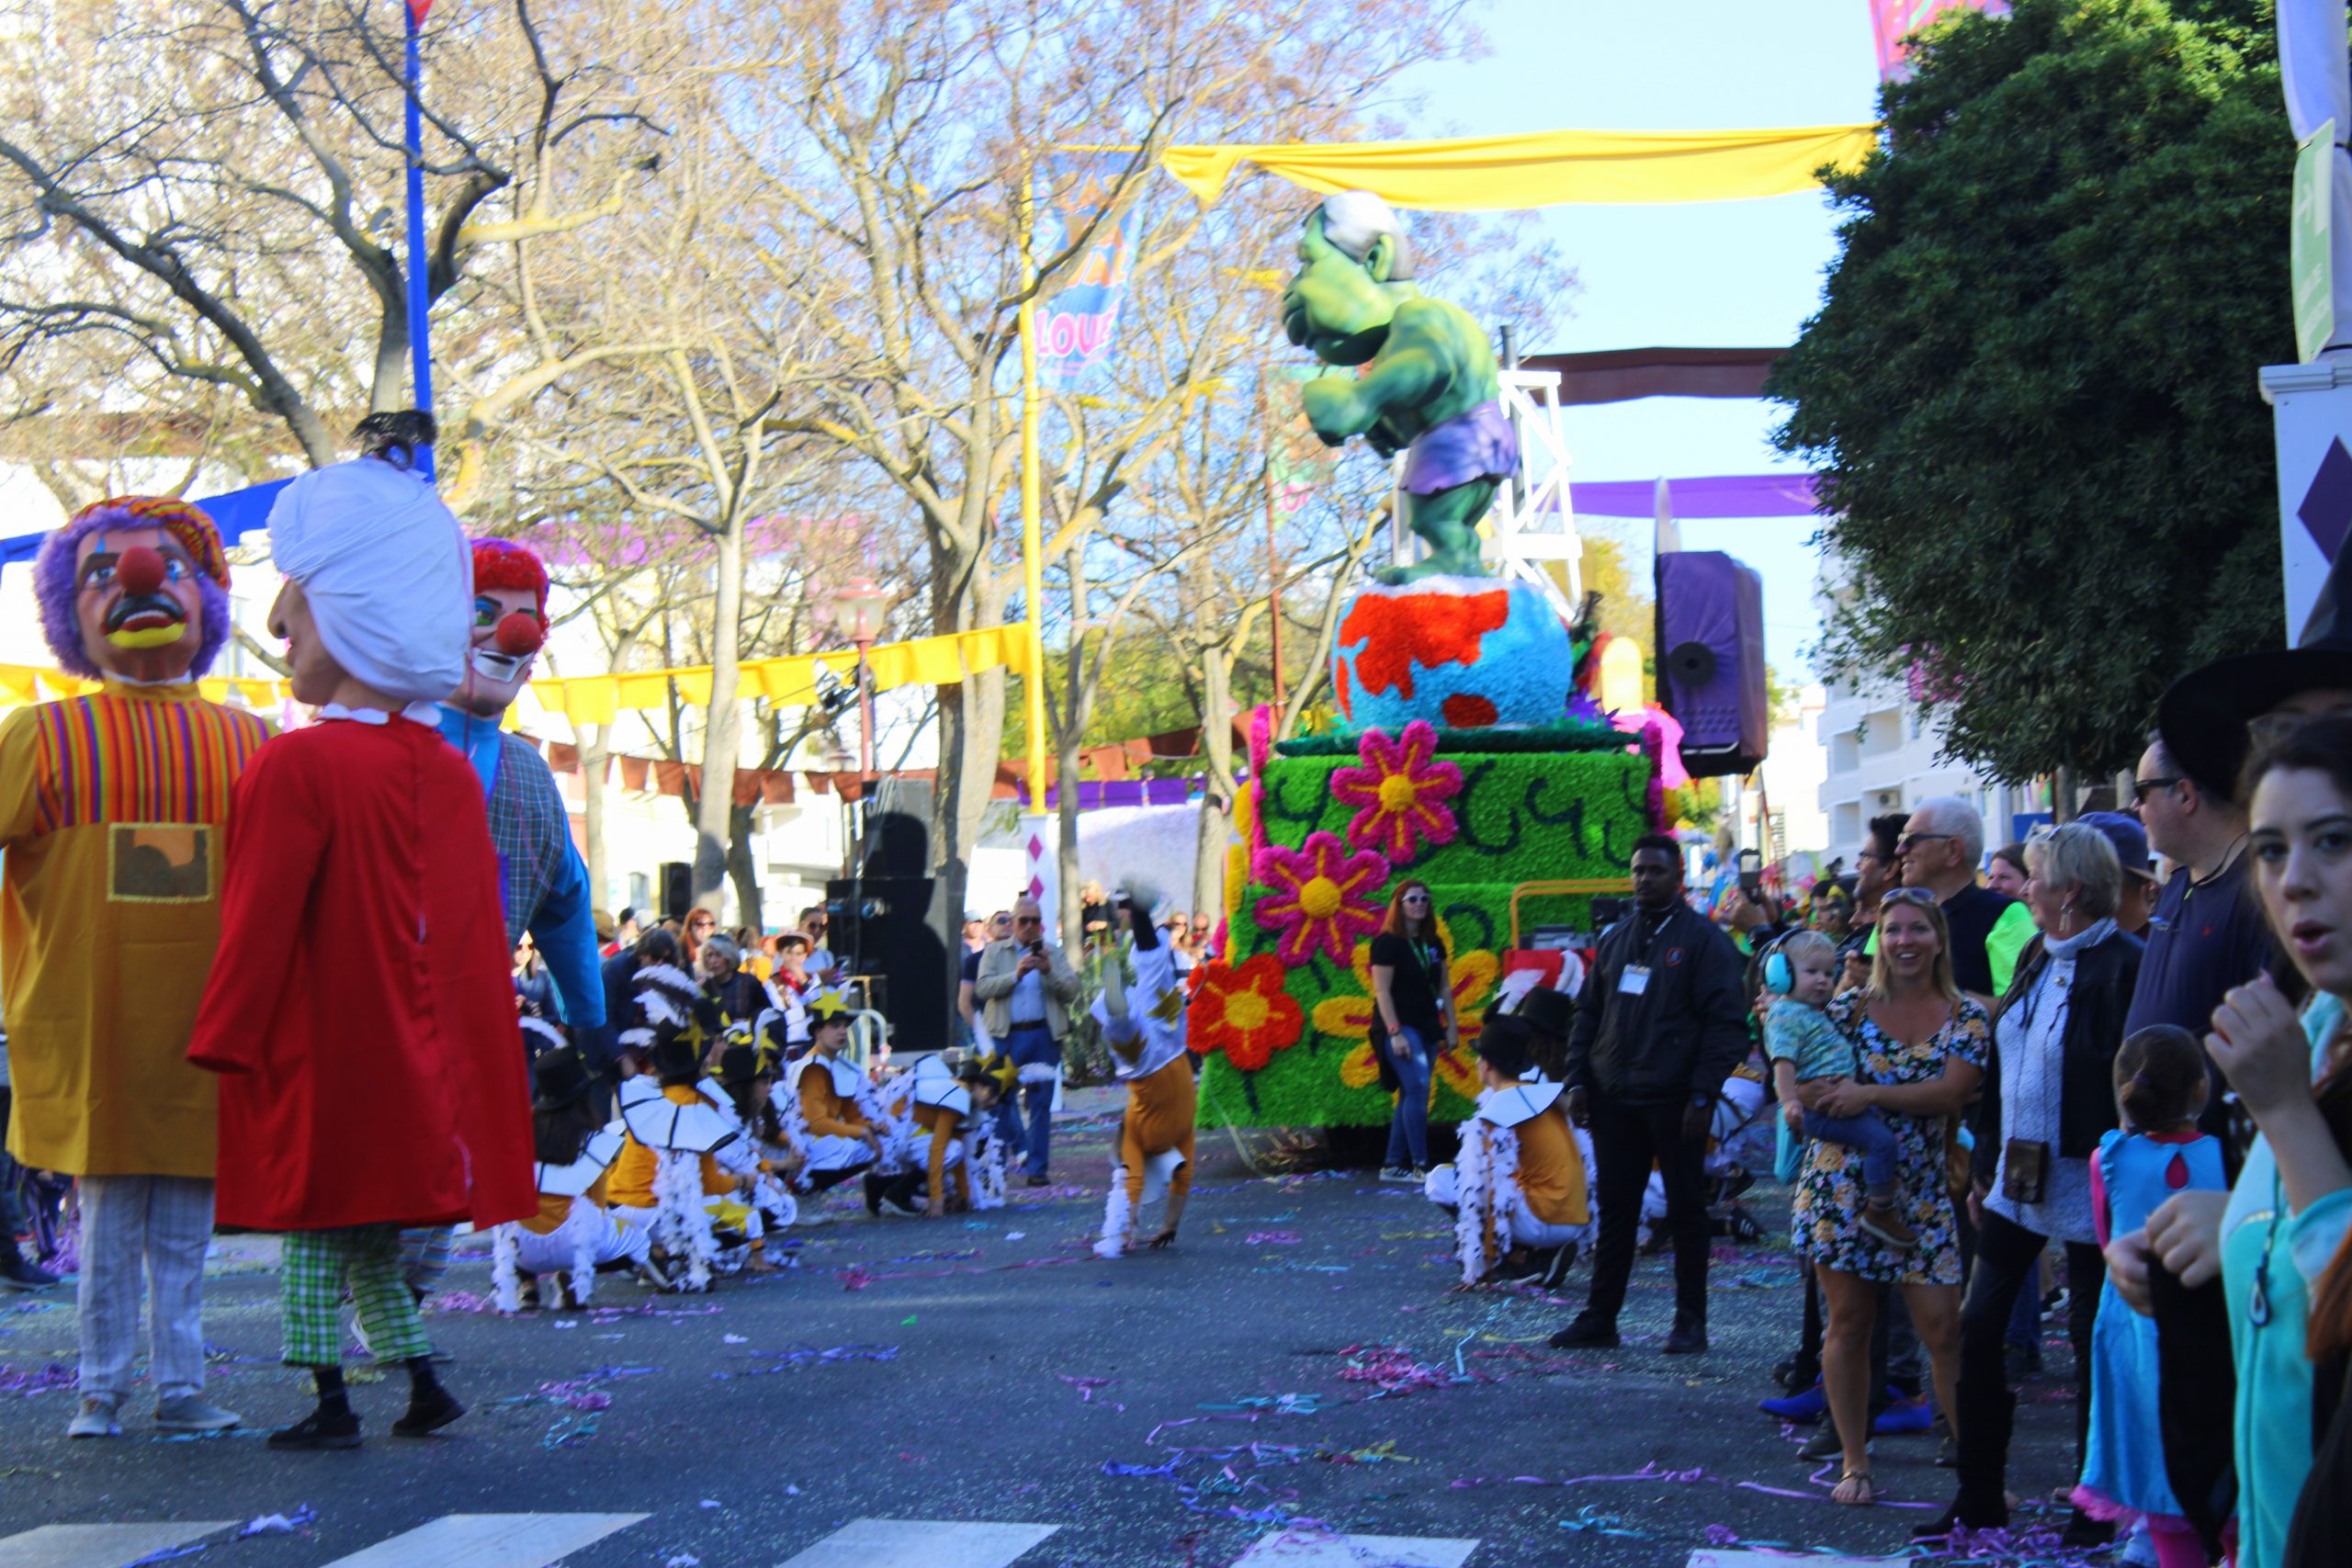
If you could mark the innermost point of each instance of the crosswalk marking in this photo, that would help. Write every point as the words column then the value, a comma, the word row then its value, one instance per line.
column 101, row 1546
column 1735, row 1557
column 921, row 1543
column 488, row 1540
column 1315, row 1548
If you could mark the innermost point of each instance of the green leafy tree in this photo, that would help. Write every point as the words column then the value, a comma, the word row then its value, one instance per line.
column 2031, row 385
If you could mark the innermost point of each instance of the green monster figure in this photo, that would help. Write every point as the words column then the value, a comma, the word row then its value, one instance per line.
column 1432, row 390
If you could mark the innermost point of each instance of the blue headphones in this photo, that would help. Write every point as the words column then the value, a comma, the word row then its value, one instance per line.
column 1779, row 978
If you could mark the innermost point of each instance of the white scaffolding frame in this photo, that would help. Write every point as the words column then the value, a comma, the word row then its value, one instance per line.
column 1531, row 523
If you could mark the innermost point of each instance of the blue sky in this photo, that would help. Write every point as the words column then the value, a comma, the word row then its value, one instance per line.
column 1734, row 274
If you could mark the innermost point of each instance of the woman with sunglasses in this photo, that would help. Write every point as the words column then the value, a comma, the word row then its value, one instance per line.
column 2048, row 1098
column 1923, row 1044
column 1412, row 1020
column 701, row 926
column 2288, row 1213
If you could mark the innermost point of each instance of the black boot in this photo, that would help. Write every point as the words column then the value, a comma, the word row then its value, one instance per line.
column 430, row 1406
column 331, row 1426
column 1983, row 1501
column 1688, row 1338
column 898, row 1191
column 874, row 1186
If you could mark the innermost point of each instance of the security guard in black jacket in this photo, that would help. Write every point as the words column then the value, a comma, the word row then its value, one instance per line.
column 1661, row 1023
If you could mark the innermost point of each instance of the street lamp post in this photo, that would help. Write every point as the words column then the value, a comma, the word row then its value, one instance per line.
column 857, row 614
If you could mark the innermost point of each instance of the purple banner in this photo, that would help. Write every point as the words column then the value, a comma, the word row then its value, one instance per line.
column 1744, row 495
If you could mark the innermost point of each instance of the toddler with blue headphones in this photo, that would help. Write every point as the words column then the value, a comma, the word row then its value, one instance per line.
column 1800, row 973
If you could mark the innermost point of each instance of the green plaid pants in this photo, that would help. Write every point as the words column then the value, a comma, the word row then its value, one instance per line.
column 312, row 1272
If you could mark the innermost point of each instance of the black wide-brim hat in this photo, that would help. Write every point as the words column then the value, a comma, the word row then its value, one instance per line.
column 1547, row 1010
column 560, row 1077
column 1506, row 1044
column 2202, row 717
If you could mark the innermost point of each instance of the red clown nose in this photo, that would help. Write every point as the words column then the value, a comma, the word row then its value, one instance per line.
column 140, row 570
column 519, row 635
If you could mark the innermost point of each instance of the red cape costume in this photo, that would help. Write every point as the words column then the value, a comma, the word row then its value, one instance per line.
column 361, row 1010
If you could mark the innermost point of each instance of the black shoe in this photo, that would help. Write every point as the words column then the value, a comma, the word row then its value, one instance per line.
column 2083, row 1532
column 900, row 1191
column 1555, row 1269
column 1825, row 1443
column 1937, row 1529
column 429, row 1410
column 319, row 1430
column 15, row 1274
column 1688, row 1339
column 1520, row 1263
column 1041, row 1181
column 874, row 1185
column 1587, row 1333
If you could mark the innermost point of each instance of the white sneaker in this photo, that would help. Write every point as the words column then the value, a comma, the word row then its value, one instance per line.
column 94, row 1418
column 1399, row 1173
column 191, row 1413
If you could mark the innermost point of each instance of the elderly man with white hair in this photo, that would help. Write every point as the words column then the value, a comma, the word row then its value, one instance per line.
column 1942, row 847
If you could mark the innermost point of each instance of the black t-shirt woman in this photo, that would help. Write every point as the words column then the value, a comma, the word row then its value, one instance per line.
column 1412, row 1022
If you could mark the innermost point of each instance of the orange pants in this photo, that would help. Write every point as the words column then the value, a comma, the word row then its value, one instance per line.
column 1161, row 1112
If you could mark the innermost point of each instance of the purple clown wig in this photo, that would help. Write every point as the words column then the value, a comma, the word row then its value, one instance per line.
column 55, row 589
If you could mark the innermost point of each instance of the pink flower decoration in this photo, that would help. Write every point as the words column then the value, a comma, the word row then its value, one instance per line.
column 1401, row 790
column 1323, row 897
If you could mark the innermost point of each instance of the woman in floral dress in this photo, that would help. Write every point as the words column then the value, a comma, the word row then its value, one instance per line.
column 1921, row 1049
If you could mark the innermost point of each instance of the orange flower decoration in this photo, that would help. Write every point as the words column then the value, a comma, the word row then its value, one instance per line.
column 1470, row 976
column 1242, row 1011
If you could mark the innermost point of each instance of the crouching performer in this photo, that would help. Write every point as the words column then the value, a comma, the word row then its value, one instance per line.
column 1145, row 1029
column 1518, row 1195
column 574, row 1231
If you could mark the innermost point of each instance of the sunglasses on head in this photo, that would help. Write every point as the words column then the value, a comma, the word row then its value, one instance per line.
column 1922, row 897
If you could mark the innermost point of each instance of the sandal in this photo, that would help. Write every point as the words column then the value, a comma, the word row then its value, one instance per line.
column 1854, row 1490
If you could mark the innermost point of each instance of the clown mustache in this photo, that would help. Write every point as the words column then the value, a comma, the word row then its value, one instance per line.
column 143, row 612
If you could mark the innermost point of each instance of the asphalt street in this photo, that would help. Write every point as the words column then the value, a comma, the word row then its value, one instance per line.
column 1299, row 1368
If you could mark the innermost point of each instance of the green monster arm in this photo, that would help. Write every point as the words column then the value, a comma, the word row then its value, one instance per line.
column 1434, row 366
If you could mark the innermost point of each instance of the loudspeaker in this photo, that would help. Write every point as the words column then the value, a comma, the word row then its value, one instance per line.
column 1711, row 659
column 901, row 930
column 677, row 889
column 898, row 829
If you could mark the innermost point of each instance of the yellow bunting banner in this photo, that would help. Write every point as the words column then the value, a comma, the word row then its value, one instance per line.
column 599, row 699
column 1544, row 168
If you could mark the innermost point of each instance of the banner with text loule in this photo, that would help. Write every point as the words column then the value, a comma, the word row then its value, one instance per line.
column 1077, row 325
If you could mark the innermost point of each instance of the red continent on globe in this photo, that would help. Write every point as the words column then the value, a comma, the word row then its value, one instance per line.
column 1468, row 710
column 1401, row 630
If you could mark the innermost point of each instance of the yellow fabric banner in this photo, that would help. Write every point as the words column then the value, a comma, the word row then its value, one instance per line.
column 1544, row 168
column 599, row 699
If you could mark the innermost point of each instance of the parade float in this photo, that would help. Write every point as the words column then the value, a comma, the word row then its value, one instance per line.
column 1466, row 749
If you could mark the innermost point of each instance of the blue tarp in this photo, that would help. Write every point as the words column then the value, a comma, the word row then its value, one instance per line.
column 236, row 514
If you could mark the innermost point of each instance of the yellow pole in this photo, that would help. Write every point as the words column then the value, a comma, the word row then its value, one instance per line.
column 1033, row 546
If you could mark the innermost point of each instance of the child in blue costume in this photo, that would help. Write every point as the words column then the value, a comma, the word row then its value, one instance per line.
column 2158, row 1153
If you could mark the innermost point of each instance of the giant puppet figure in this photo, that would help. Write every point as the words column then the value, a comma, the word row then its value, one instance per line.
column 111, row 813
column 541, row 880
column 363, row 1016
column 1429, row 386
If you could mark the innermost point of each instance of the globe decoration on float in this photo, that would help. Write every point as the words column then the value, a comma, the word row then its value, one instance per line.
column 1463, row 652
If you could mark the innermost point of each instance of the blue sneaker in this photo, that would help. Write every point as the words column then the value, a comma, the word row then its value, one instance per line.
column 1804, row 1408
column 1902, row 1416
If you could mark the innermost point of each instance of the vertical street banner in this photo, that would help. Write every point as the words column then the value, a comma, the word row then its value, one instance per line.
column 1078, row 322
column 1895, row 20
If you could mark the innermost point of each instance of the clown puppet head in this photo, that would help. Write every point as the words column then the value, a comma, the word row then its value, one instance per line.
column 134, row 587
column 509, row 623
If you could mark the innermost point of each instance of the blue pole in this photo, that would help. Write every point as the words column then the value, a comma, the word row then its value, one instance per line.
column 419, row 299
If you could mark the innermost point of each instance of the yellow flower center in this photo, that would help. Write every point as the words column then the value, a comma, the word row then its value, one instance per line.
column 1397, row 793
column 1320, row 899
column 1247, row 1010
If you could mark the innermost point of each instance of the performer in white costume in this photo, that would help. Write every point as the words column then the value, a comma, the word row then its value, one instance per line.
column 1518, row 1192
column 1145, row 1031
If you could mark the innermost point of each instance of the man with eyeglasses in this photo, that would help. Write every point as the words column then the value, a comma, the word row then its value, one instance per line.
column 1025, row 987
column 1942, row 847
column 1662, row 1022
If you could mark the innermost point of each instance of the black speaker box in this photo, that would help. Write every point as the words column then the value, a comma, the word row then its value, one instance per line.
column 677, row 889
column 900, row 930
column 1711, row 659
